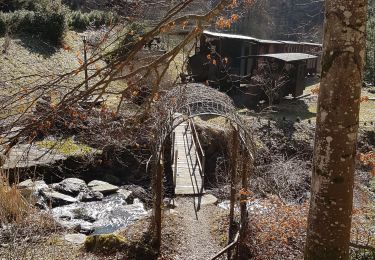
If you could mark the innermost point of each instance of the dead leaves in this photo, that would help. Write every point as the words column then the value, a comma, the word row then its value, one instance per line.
column 315, row 91
column 368, row 159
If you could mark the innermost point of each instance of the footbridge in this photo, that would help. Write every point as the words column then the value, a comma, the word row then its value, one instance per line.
column 178, row 148
column 188, row 159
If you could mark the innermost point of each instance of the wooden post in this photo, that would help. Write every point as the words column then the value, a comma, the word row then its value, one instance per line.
column 173, row 143
column 158, row 199
column 246, row 165
column 175, row 168
column 85, row 62
column 232, row 187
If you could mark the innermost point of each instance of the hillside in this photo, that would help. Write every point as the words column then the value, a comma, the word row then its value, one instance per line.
column 286, row 20
column 28, row 55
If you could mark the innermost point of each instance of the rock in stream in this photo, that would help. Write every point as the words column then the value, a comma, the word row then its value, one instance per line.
column 96, row 208
column 100, row 217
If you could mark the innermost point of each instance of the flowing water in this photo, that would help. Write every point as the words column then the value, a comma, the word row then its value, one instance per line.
column 100, row 217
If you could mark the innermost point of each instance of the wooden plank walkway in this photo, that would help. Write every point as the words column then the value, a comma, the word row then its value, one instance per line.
column 188, row 177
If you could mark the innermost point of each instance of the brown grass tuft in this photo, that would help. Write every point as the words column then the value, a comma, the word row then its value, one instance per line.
column 13, row 206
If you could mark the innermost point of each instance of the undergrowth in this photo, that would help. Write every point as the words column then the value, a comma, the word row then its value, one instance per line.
column 278, row 231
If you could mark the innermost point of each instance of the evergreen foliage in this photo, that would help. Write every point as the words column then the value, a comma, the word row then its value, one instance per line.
column 81, row 21
column 48, row 20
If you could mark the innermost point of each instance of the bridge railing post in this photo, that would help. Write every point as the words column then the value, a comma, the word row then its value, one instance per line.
column 173, row 143
column 175, row 168
column 203, row 170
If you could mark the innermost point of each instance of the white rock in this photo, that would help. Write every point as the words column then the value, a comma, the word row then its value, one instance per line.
column 128, row 195
column 77, row 239
column 25, row 184
column 102, row 186
column 70, row 186
column 57, row 199
column 208, row 199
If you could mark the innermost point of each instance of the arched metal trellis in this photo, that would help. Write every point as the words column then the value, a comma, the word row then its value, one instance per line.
column 188, row 101
column 194, row 99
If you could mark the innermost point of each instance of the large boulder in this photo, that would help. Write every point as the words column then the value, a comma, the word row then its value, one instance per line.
column 127, row 194
column 32, row 185
column 55, row 199
column 140, row 193
column 89, row 195
column 30, row 190
column 71, row 186
column 103, row 187
column 25, row 184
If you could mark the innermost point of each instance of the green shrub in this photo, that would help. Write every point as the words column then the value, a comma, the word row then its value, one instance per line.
column 50, row 23
column 3, row 23
column 30, row 5
column 79, row 20
column 98, row 18
column 22, row 21
column 49, row 19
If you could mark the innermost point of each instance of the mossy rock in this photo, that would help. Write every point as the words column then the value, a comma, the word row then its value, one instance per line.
column 108, row 243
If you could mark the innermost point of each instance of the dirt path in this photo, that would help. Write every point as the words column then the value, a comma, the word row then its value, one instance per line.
column 195, row 230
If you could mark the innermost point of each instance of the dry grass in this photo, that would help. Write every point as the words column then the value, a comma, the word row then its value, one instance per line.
column 306, row 108
column 13, row 206
column 278, row 230
column 24, row 230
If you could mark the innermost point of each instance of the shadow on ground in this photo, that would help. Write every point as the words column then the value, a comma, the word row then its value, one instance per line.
column 35, row 45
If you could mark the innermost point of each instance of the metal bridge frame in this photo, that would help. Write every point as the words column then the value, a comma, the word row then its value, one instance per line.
column 189, row 101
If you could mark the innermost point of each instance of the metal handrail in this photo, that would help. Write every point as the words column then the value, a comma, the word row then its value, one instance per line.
column 201, row 161
column 227, row 248
column 175, row 155
column 196, row 135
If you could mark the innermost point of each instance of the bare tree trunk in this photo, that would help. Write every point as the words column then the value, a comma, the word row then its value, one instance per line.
column 158, row 199
column 329, row 223
column 233, row 172
column 246, row 166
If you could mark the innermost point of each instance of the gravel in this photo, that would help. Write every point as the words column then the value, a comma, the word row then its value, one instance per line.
column 196, row 240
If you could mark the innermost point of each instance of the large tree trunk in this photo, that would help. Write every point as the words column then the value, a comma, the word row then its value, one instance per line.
column 329, row 223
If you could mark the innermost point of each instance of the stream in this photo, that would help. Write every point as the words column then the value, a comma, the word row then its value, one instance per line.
column 100, row 217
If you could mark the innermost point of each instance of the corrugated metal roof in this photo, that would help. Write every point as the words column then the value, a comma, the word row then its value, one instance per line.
column 290, row 42
column 231, row 36
column 240, row 37
column 269, row 41
column 289, row 57
column 312, row 44
column 249, row 38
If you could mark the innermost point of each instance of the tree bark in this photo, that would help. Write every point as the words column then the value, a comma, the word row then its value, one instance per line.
column 329, row 223
column 233, row 173
column 246, row 166
column 158, row 202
